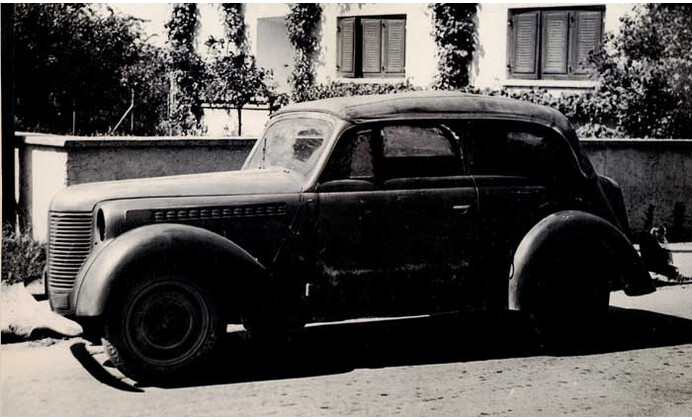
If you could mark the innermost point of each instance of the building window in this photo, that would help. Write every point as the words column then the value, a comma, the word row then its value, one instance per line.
column 553, row 43
column 371, row 46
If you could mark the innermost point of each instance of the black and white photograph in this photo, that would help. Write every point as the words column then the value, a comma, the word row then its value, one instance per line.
column 346, row 209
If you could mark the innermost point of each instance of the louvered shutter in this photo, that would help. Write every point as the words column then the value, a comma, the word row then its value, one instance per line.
column 524, row 32
column 345, row 47
column 555, row 37
column 587, row 36
column 395, row 45
column 372, row 45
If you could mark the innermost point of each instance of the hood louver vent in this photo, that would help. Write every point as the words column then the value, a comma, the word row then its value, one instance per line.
column 210, row 213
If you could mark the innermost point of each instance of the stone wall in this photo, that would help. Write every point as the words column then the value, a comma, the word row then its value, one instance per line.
column 655, row 175
column 46, row 164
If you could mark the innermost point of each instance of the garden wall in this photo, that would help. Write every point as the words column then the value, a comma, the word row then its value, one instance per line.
column 655, row 175
column 46, row 164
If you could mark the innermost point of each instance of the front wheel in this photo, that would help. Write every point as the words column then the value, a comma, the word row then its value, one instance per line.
column 160, row 328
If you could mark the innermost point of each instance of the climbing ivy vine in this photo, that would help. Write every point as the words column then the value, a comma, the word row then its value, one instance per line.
column 234, row 24
column 303, row 24
column 454, row 30
column 186, row 71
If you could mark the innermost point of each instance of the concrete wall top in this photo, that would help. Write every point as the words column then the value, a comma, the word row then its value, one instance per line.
column 636, row 142
column 69, row 142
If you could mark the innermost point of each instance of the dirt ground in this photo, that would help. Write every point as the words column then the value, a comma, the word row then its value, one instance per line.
column 441, row 366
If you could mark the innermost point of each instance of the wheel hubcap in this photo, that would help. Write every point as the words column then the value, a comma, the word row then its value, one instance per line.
column 167, row 323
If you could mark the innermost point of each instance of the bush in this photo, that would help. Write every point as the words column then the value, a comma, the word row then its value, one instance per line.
column 589, row 113
column 646, row 72
column 23, row 258
column 339, row 89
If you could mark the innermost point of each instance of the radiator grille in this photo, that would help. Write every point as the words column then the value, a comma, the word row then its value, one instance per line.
column 68, row 248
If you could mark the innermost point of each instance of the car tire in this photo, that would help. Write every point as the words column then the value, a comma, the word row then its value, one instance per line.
column 161, row 328
column 569, row 298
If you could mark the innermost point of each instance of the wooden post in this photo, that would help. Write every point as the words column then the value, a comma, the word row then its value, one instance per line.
column 240, row 121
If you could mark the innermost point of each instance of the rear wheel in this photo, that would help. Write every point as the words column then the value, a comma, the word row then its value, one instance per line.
column 570, row 297
column 161, row 328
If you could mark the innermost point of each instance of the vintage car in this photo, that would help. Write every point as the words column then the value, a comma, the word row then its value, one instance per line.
column 391, row 205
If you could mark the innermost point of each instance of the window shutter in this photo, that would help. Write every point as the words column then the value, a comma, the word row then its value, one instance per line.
column 555, row 42
column 524, row 44
column 372, row 45
column 395, row 45
column 345, row 51
column 587, row 37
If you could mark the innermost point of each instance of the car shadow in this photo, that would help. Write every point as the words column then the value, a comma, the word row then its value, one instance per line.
column 333, row 349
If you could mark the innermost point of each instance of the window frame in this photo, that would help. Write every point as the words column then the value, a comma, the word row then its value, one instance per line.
column 573, row 69
column 357, row 57
column 383, row 164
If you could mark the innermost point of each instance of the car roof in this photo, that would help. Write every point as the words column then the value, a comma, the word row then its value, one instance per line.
column 420, row 103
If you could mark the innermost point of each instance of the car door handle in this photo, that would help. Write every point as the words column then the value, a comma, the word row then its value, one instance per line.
column 461, row 208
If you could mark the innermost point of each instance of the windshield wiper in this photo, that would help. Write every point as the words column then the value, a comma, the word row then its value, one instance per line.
column 264, row 153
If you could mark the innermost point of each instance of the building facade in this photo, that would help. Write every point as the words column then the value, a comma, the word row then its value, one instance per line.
column 519, row 45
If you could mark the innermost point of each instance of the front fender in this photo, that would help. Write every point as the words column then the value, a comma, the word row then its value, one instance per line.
column 162, row 244
column 559, row 229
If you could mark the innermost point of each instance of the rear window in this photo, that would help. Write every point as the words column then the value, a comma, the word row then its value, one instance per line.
column 514, row 149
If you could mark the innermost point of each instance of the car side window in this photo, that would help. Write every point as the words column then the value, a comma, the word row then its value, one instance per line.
column 352, row 158
column 419, row 151
column 513, row 149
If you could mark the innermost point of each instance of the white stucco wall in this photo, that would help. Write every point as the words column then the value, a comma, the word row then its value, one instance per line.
column 421, row 62
column 42, row 172
column 224, row 121
column 490, row 65
column 268, row 39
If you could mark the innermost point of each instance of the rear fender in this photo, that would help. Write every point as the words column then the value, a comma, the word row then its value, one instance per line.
column 160, row 246
column 560, row 230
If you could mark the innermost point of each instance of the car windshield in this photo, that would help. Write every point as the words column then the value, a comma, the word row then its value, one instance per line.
column 294, row 144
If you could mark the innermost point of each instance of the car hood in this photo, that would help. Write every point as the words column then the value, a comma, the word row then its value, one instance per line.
column 84, row 197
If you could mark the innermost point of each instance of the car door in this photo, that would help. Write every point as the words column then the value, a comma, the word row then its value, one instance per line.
column 517, row 170
column 430, row 229
column 395, row 220
column 348, row 210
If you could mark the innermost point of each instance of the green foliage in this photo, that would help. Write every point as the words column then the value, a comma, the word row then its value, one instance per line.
column 302, row 24
column 455, row 35
column 339, row 89
column 84, row 58
column 234, row 24
column 588, row 112
column 234, row 77
column 186, row 70
column 23, row 258
column 646, row 72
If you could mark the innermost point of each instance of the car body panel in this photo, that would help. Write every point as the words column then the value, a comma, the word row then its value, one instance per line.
column 161, row 245
column 353, row 247
column 566, row 226
column 84, row 197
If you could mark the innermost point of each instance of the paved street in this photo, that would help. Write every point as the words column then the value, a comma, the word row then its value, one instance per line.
column 427, row 366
